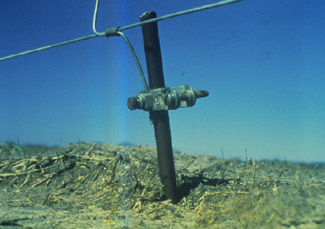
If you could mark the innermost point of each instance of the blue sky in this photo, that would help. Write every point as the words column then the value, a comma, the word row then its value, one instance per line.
column 262, row 61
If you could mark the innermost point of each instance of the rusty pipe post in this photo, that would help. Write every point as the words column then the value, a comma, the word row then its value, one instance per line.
column 160, row 119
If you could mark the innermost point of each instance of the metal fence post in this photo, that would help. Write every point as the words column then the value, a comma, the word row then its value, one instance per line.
column 160, row 119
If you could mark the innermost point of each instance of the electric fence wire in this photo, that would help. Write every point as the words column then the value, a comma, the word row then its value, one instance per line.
column 145, row 84
column 120, row 33
column 181, row 13
column 168, row 16
column 95, row 18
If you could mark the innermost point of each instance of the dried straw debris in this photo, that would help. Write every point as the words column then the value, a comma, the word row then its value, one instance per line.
column 100, row 185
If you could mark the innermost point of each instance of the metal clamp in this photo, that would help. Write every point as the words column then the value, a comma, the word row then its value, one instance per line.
column 162, row 99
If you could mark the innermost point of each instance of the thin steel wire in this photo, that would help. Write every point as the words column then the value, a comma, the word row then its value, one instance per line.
column 168, row 16
column 95, row 19
column 120, row 33
column 180, row 13
column 136, row 60
column 48, row 47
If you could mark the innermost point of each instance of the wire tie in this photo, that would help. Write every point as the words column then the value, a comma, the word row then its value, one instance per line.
column 112, row 32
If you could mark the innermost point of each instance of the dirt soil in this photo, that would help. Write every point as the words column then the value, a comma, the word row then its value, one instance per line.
column 89, row 185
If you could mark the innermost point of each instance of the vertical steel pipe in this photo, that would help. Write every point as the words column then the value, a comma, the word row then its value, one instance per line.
column 160, row 119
